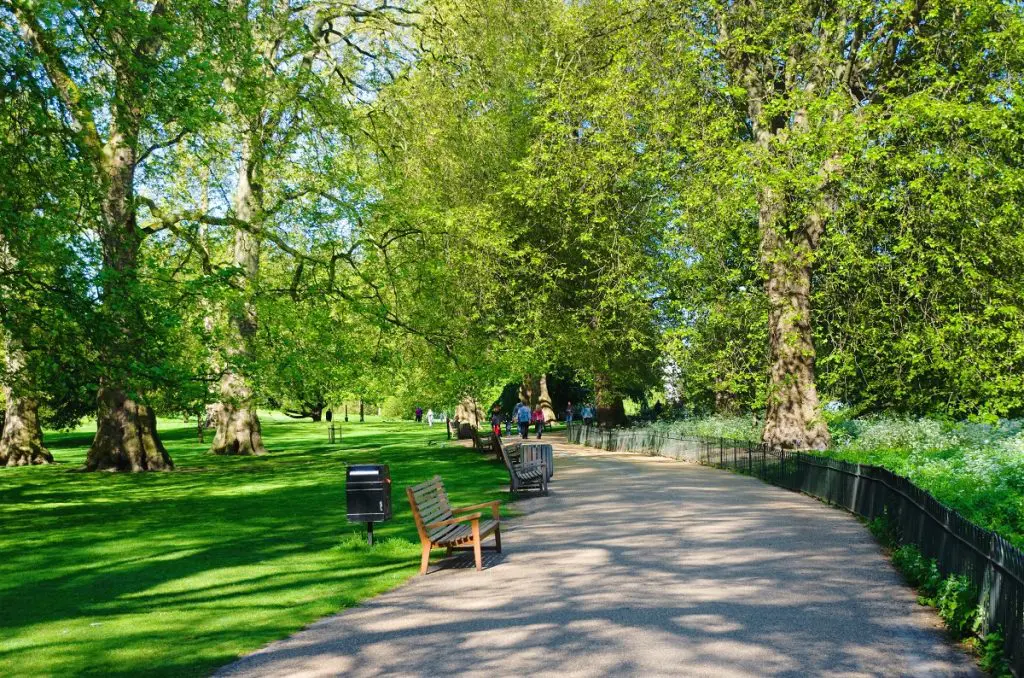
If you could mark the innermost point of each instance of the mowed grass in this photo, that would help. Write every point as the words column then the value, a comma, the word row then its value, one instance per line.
column 179, row 573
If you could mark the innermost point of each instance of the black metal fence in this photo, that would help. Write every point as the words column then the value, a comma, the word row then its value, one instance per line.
column 994, row 567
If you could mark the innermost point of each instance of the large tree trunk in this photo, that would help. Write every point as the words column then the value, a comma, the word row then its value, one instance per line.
column 238, row 430
column 610, row 409
column 793, row 418
column 22, row 441
column 21, row 438
column 469, row 415
column 527, row 392
column 544, row 399
column 126, row 436
column 533, row 392
column 238, row 425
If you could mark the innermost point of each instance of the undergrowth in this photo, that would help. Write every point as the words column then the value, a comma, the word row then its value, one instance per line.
column 956, row 600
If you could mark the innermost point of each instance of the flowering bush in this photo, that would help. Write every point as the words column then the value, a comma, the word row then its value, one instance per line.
column 975, row 468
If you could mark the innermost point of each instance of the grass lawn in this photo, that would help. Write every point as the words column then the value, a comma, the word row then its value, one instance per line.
column 179, row 573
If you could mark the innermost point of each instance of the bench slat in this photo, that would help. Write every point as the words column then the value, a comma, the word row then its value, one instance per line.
column 446, row 533
column 436, row 517
column 427, row 506
column 428, row 493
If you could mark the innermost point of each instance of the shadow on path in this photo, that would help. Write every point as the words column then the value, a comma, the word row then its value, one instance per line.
column 643, row 566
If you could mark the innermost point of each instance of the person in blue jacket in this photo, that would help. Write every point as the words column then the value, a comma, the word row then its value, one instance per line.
column 523, row 419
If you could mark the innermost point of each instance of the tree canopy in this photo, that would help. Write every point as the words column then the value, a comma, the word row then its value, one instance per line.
column 774, row 207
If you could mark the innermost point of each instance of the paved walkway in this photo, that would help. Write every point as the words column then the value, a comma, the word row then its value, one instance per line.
column 642, row 566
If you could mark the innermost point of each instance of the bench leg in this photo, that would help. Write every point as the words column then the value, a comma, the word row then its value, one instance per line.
column 497, row 539
column 476, row 546
column 425, row 559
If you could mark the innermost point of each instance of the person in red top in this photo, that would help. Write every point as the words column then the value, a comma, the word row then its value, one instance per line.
column 496, row 421
column 538, row 421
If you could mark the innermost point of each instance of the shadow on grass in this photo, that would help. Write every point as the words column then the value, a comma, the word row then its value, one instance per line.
column 177, row 573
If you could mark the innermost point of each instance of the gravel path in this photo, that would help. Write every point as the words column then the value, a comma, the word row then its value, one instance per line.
column 642, row 566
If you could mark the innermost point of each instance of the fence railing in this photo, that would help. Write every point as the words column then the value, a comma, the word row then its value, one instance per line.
column 994, row 567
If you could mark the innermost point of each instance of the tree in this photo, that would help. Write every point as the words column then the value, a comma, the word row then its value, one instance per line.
column 811, row 92
column 133, row 79
column 44, row 203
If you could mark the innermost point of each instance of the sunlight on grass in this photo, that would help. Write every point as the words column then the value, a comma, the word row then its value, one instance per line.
column 179, row 573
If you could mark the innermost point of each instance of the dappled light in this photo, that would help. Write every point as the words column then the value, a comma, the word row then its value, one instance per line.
column 645, row 566
column 180, row 572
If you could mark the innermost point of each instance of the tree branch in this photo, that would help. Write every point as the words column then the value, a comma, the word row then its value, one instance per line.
column 57, row 71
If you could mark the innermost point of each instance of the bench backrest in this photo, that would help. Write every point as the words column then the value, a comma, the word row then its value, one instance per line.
column 429, row 503
column 505, row 458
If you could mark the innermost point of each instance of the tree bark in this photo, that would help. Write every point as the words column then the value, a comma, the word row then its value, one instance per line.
column 469, row 415
column 610, row 409
column 21, row 437
column 126, row 438
column 238, row 429
column 316, row 413
column 793, row 418
column 22, row 441
column 527, row 393
column 238, row 425
column 544, row 399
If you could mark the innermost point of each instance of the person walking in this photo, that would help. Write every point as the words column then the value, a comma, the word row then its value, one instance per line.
column 523, row 419
column 430, row 418
column 419, row 415
column 568, row 414
column 538, row 421
column 496, row 421
column 587, row 414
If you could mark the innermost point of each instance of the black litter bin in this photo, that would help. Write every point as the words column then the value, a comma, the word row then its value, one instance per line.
column 368, row 494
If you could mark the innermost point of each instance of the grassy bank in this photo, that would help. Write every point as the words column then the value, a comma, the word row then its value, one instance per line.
column 178, row 573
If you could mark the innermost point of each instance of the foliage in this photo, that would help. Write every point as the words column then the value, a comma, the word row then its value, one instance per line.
column 957, row 602
column 972, row 467
column 214, row 560
column 717, row 426
column 921, row 573
column 884, row 530
column 993, row 658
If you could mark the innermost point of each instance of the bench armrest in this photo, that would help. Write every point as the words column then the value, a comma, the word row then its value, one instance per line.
column 472, row 517
column 493, row 504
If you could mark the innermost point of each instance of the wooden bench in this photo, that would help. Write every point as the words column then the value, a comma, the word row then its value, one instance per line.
column 441, row 526
column 478, row 443
column 513, row 450
column 524, row 475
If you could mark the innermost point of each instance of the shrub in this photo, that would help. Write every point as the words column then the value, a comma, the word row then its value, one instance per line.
column 991, row 657
column 920, row 572
column 885, row 530
column 957, row 601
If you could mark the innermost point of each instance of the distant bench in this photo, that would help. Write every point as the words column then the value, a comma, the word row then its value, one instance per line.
column 441, row 526
column 523, row 473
